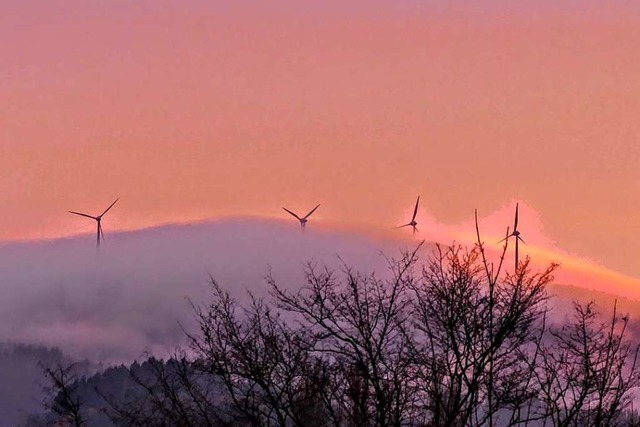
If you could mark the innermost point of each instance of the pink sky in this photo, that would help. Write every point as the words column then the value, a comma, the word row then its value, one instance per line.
column 203, row 109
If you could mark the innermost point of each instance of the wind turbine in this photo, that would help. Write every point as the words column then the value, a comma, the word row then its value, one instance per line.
column 515, row 234
column 303, row 220
column 98, row 218
column 413, row 222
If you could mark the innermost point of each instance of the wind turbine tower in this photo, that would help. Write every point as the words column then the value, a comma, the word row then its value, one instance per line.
column 515, row 234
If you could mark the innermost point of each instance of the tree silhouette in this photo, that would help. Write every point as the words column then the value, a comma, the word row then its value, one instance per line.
column 453, row 340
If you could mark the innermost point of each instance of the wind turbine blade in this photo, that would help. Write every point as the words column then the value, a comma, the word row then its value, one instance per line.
column 506, row 238
column 85, row 215
column 297, row 217
column 522, row 240
column 406, row 225
column 101, row 231
column 515, row 225
column 312, row 211
column 110, row 206
column 415, row 210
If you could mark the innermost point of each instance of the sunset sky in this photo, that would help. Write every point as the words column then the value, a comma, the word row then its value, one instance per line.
column 194, row 109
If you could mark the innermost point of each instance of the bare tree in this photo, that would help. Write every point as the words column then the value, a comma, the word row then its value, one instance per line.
column 264, row 365
column 588, row 369
column 455, row 341
column 66, row 402
column 356, row 324
column 475, row 333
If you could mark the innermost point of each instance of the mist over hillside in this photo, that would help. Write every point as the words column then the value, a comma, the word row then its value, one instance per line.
column 132, row 296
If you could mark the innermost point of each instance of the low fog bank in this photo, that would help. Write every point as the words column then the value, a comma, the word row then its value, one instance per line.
column 132, row 296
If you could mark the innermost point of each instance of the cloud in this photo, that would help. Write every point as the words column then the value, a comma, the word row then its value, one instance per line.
column 574, row 270
column 134, row 295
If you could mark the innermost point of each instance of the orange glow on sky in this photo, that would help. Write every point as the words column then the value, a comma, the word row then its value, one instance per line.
column 203, row 109
column 573, row 270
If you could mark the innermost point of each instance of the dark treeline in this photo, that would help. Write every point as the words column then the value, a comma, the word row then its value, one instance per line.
column 22, row 378
column 453, row 341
